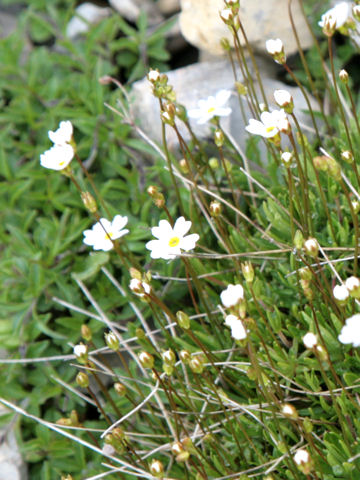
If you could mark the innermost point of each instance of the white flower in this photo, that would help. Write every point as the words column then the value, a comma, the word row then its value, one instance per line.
column 153, row 76
column 341, row 293
column 286, row 158
column 274, row 47
column 238, row 331
column 352, row 283
column 230, row 319
column 233, row 295
column 101, row 234
column 268, row 126
column 211, row 107
column 310, row 340
column 63, row 134
column 301, row 457
column 80, row 350
column 57, row 157
column 171, row 240
column 311, row 247
column 350, row 332
column 139, row 288
column 283, row 98
column 339, row 15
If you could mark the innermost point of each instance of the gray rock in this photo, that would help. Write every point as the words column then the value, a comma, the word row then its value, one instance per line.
column 263, row 19
column 86, row 14
column 130, row 9
column 12, row 466
column 199, row 81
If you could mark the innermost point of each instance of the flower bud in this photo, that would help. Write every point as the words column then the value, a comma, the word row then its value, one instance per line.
column 167, row 118
column 276, row 49
column 356, row 206
column 227, row 16
column 344, row 76
column 184, row 166
column 225, row 44
column 177, row 447
column 157, row 468
column 286, row 158
column 305, row 273
column 120, row 389
column 329, row 25
column 105, row 80
column 82, row 380
column 215, row 208
column 341, row 294
column 112, row 341
column 86, row 333
column 168, row 357
column 303, row 461
column 248, row 271
column 322, row 353
column 139, row 288
column 196, row 364
column 241, row 89
column 81, row 353
column 353, row 286
column 153, row 76
column 89, row 202
column 298, row 239
column 219, row 138
column 285, row 100
column 146, row 359
column 213, row 163
column 168, row 369
column 347, row 156
column 321, row 163
column 356, row 12
column 289, row 411
column 158, row 198
column 183, row 456
column 311, row 247
column 183, row 320
column 67, row 477
column 184, row 355
column 310, row 340
column 334, row 169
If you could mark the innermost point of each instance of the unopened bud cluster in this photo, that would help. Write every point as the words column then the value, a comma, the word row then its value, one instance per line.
column 328, row 165
column 160, row 86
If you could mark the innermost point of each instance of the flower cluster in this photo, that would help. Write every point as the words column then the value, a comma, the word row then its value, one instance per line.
column 335, row 18
column 62, row 152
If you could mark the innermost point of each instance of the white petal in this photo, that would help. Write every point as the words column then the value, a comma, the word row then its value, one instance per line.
column 223, row 112
column 181, row 227
column 163, row 230
column 189, row 242
column 195, row 113
column 222, row 97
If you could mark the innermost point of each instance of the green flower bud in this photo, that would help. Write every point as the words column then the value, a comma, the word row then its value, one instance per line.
column 183, row 320
column 82, row 380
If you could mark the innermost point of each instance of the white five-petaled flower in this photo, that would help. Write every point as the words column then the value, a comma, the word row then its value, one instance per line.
column 282, row 97
column 350, row 332
column 232, row 295
column 63, row 134
column 171, row 240
column 57, row 157
column 339, row 15
column 211, row 107
column 103, row 232
column 238, row 331
column 80, row 350
column 301, row 457
column 60, row 155
column 310, row 340
column 341, row 293
column 274, row 47
column 269, row 126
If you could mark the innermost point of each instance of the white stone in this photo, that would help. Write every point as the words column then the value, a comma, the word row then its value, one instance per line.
column 86, row 14
column 202, row 26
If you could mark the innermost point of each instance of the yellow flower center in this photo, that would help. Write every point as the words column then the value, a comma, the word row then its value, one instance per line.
column 270, row 129
column 174, row 241
column 109, row 235
column 211, row 109
column 61, row 164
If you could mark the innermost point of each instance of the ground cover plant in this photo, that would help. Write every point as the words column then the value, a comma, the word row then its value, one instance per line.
column 201, row 321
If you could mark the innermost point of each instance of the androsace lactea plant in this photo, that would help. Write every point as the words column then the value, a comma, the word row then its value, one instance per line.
column 234, row 348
